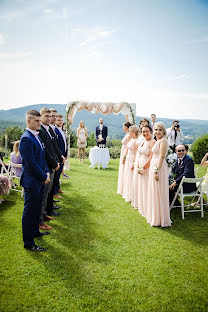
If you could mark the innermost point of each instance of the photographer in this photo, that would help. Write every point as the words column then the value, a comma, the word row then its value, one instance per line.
column 174, row 135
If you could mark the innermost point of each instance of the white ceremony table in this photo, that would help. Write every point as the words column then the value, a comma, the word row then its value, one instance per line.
column 99, row 156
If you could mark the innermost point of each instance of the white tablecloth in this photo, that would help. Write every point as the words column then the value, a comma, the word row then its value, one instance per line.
column 99, row 156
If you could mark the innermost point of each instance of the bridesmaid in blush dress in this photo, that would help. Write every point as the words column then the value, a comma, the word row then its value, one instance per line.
column 145, row 151
column 143, row 122
column 125, row 140
column 158, row 212
column 128, row 160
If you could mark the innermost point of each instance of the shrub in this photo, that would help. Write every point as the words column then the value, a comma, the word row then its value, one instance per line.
column 200, row 148
column 115, row 152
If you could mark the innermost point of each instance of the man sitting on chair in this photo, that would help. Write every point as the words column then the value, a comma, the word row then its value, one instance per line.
column 184, row 167
column 101, row 133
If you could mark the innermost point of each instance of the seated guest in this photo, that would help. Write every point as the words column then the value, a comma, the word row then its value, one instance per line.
column 34, row 177
column 184, row 167
column 4, row 185
column 16, row 158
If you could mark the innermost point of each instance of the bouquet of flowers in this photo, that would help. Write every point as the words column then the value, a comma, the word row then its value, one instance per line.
column 171, row 161
column 140, row 170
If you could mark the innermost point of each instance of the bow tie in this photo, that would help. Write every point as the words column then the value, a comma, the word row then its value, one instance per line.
column 36, row 133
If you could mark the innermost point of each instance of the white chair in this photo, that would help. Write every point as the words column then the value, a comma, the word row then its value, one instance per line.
column 205, row 187
column 198, row 194
column 196, row 171
column 13, row 176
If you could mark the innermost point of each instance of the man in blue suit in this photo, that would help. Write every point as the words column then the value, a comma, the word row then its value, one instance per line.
column 35, row 175
column 62, row 143
column 101, row 133
column 184, row 167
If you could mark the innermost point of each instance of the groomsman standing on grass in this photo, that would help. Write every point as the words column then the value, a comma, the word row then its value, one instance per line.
column 56, row 189
column 62, row 143
column 101, row 133
column 35, row 175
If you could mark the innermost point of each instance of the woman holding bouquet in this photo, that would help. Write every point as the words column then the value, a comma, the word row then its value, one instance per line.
column 82, row 139
column 128, row 160
column 125, row 141
column 158, row 212
column 145, row 152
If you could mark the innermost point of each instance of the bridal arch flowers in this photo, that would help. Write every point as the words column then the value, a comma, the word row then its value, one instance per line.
column 99, row 107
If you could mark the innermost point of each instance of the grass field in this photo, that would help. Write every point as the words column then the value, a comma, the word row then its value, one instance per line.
column 102, row 255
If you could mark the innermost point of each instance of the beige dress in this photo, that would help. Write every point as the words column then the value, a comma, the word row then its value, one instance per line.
column 121, row 165
column 158, row 212
column 134, row 202
column 143, row 179
column 82, row 140
column 128, row 173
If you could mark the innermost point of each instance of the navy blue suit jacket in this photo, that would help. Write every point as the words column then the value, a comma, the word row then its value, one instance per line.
column 61, row 143
column 186, row 169
column 33, row 162
column 104, row 133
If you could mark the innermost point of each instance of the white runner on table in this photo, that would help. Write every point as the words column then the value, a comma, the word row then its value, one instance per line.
column 99, row 156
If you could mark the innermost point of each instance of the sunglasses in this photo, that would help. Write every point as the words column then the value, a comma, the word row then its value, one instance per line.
column 179, row 151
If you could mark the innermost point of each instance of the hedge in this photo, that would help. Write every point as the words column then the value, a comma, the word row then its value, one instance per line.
column 114, row 152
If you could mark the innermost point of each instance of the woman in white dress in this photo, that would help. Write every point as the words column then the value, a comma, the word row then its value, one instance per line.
column 82, row 140
column 125, row 141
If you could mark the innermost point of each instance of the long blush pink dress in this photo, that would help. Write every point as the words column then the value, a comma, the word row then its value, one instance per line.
column 158, row 212
column 121, row 165
column 143, row 179
column 128, row 173
column 134, row 202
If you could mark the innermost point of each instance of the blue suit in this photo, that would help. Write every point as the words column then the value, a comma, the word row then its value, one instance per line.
column 33, row 176
column 63, row 149
column 104, row 133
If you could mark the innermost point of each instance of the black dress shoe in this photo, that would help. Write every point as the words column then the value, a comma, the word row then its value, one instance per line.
column 55, row 214
column 41, row 234
column 56, row 207
column 56, row 201
column 35, row 248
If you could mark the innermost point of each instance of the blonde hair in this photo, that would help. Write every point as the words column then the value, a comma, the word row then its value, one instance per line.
column 44, row 110
column 134, row 129
column 79, row 128
column 161, row 126
column 16, row 148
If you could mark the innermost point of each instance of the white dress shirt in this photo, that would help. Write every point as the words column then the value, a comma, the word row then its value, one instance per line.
column 171, row 137
column 35, row 133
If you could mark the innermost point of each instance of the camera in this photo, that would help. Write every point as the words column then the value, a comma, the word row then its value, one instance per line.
column 177, row 126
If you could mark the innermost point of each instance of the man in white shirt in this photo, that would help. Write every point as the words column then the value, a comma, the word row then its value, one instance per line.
column 153, row 121
column 174, row 135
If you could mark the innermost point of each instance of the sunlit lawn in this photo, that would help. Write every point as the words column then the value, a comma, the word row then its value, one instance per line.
column 102, row 255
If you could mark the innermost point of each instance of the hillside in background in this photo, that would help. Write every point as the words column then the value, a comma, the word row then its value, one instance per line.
column 191, row 128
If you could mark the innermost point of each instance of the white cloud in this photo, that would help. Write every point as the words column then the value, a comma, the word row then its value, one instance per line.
column 97, row 34
column 183, row 76
column 202, row 39
column 9, row 55
column 10, row 16
column 2, row 39
column 48, row 11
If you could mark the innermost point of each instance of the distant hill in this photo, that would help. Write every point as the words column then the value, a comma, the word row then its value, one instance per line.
column 191, row 128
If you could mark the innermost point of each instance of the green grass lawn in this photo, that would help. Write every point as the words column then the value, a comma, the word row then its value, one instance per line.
column 102, row 255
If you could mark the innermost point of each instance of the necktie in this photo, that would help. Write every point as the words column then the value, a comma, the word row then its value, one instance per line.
column 179, row 162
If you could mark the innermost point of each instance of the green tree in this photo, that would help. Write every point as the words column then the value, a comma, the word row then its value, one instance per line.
column 73, row 139
column 13, row 133
column 91, row 140
column 199, row 148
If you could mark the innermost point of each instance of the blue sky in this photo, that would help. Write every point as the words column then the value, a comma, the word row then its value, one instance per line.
column 150, row 52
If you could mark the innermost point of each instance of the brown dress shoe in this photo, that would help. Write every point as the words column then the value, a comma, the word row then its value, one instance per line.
column 57, row 196
column 44, row 226
column 60, row 191
column 48, row 218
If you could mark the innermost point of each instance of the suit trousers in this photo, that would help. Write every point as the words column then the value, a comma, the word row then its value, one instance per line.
column 47, row 190
column 31, row 214
column 56, row 180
